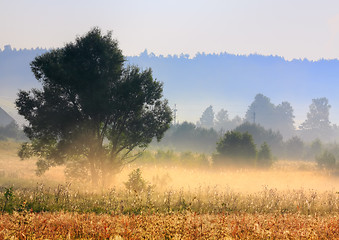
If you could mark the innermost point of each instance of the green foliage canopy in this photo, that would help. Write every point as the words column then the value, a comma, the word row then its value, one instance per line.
column 235, row 148
column 264, row 158
column 294, row 148
column 261, row 135
column 326, row 160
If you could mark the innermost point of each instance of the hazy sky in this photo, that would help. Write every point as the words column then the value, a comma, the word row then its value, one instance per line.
column 288, row 28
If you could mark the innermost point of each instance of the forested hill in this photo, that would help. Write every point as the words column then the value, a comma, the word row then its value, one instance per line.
column 15, row 74
column 223, row 80
column 231, row 81
column 5, row 119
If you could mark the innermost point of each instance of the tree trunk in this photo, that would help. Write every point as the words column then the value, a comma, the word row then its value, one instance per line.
column 94, row 174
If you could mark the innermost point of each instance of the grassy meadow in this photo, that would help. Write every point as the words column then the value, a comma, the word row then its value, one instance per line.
column 291, row 200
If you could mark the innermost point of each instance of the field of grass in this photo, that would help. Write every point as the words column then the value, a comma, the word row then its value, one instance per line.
column 167, row 226
column 292, row 200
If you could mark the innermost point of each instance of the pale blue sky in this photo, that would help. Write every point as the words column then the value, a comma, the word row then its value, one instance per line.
column 288, row 28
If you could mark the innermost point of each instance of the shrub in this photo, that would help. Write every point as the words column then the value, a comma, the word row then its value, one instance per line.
column 294, row 148
column 135, row 182
column 326, row 160
column 165, row 156
column 264, row 158
column 235, row 148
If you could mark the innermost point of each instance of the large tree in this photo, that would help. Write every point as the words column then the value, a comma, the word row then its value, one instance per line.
column 279, row 118
column 221, row 120
column 261, row 135
column 91, row 109
column 261, row 111
column 317, row 124
column 207, row 118
column 285, row 119
column 318, row 116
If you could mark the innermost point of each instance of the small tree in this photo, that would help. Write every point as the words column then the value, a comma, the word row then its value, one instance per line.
column 222, row 122
column 294, row 148
column 326, row 160
column 264, row 158
column 314, row 149
column 318, row 116
column 135, row 182
column 235, row 148
column 91, row 108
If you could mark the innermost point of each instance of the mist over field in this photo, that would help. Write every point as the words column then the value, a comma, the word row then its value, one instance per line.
column 210, row 95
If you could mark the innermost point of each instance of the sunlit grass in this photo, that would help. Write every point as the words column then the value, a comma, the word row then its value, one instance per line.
column 293, row 199
column 174, row 226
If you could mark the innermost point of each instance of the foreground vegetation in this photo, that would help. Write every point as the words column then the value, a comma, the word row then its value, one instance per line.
column 66, row 211
column 209, row 200
column 170, row 199
column 170, row 226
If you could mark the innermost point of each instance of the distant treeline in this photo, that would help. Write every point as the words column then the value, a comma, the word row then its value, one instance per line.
column 221, row 76
column 206, row 79
column 12, row 131
column 279, row 118
column 189, row 137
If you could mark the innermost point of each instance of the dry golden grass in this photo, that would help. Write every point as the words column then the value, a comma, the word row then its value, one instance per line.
column 292, row 200
column 173, row 226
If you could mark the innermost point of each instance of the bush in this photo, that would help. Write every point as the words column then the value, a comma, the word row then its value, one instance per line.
column 326, row 160
column 294, row 148
column 264, row 158
column 135, row 182
column 235, row 148
column 190, row 159
column 147, row 157
column 165, row 156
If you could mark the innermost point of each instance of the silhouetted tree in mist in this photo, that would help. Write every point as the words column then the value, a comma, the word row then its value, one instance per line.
column 264, row 158
column 317, row 124
column 318, row 115
column 223, row 124
column 221, row 120
column 313, row 149
column 235, row 148
column 279, row 118
column 188, row 137
column 91, row 110
column 207, row 118
column 326, row 160
column 261, row 111
column 285, row 119
column 294, row 148
column 236, row 121
column 261, row 135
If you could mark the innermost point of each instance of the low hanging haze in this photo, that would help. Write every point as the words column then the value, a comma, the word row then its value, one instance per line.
column 295, row 29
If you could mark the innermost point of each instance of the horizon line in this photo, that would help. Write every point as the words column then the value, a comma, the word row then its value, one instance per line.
column 186, row 55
